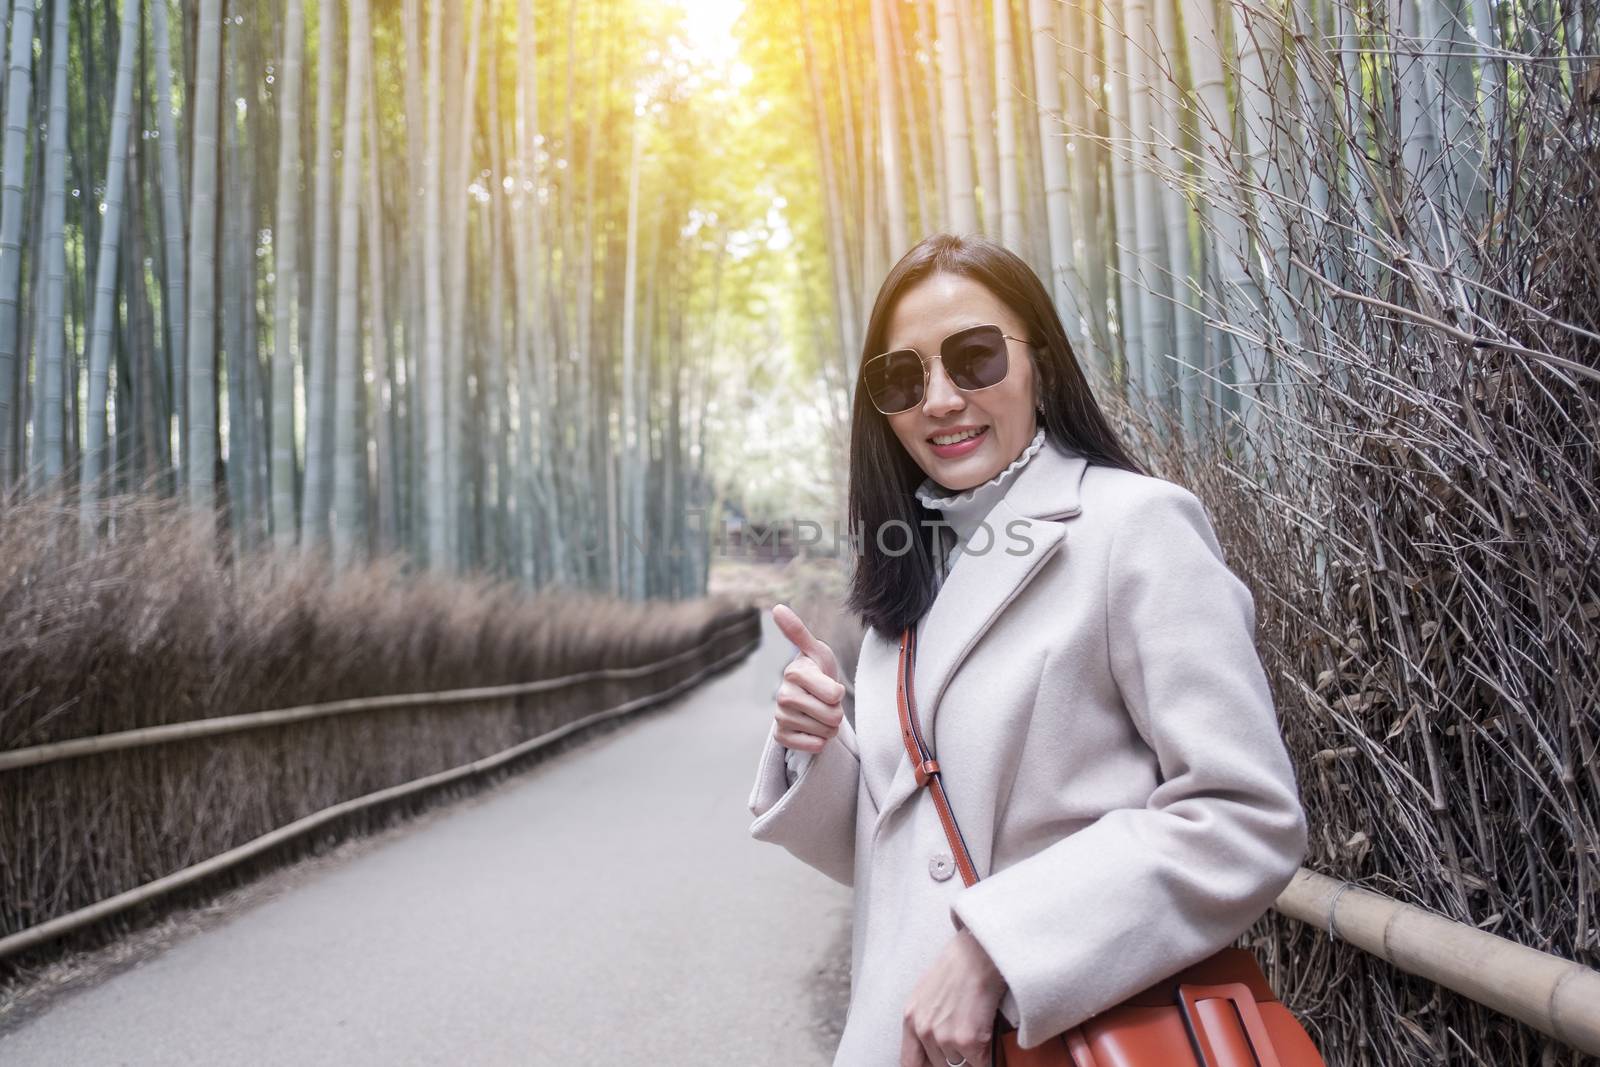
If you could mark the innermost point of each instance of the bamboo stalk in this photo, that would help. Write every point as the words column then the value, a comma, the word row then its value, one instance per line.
column 38, row 755
column 1553, row 995
column 76, row 920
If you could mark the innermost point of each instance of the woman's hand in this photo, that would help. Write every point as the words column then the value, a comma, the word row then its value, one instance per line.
column 950, row 1016
column 808, row 699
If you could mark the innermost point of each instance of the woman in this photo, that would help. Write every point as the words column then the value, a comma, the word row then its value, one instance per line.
column 1086, row 676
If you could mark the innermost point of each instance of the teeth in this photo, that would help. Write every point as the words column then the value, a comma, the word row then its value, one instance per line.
column 951, row 439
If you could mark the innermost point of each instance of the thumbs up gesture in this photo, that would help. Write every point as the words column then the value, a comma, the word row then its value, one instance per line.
column 809, row 700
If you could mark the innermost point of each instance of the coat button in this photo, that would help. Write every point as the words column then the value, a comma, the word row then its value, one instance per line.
column 941, row 866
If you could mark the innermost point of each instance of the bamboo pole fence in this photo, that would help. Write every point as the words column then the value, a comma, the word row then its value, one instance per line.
column 1555, row 996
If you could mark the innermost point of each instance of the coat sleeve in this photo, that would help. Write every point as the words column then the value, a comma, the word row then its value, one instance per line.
column 1141, row 893
column 815, row 817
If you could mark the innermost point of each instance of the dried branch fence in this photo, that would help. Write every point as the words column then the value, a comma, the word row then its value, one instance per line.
column 725, row 643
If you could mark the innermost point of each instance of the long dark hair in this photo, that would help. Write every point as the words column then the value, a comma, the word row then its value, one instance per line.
column 892, row 589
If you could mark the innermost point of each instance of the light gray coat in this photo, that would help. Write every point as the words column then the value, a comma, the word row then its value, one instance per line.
column 1088, row 680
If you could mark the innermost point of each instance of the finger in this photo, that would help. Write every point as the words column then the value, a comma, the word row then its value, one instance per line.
column 800, row 712
column 799, row 741
column 975, row 1052
column 979, row 1056
column 804, row 709
column 912, row 1052
column 945, row 1054
column 918, row 1047
column 795, row 629
column 808, row 675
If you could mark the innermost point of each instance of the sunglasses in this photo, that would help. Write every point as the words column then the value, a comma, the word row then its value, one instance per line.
column 974, row 358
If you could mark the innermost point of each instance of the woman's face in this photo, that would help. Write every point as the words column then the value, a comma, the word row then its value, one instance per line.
column 1004, row 415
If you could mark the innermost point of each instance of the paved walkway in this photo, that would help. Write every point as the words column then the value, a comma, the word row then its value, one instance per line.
column 606, row 906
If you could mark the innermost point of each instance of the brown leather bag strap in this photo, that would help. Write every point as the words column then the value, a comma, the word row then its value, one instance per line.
column 923, row 764
column 926, row 769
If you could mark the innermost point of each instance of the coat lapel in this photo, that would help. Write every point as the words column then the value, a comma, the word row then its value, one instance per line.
column 1022, row 536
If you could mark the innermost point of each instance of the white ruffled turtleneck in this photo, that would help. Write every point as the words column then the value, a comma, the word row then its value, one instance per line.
column 965, row 512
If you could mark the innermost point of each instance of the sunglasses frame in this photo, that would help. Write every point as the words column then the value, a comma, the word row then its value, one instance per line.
column 927, row 363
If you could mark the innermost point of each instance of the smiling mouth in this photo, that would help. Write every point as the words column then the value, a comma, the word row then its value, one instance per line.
column 943, row 439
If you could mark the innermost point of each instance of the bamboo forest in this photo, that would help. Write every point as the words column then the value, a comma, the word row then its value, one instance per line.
column 444, row 354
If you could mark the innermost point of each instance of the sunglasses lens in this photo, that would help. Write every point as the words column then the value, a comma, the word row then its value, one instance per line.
column 975, row 358
column 894, row 381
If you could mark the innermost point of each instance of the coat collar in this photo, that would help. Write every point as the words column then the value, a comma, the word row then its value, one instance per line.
column 1048, row 486
column 1023, row 532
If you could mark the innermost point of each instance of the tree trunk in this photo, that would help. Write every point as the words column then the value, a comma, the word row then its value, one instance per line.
column 1005, row 99
column 286, row 270
column 542, row 512
column 149, row 392
column 235, row 262
column 105, row 287
column 1058, row 204
column 961, row 208
column 495, row 222
column 1226, row 212
column 50, row 375
column 381, row 418
column 1088, row 159
column 350, row 448
column 319, row 383
column 1257, row 34
column 844, row 297
column 416, row 351
column 889, row 131
column 18, row 104
column 1149, row 262
column 980, row 102
column 1124, row 203
column 202, row 443
column 1187, row 330
column 457, row 208
column 934, row 113
column 908, row 108
column 438, row 501
column 630, row 435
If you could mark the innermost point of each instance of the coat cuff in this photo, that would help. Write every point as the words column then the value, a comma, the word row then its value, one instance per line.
column 1102, row 914
column 1008, row 1002
column 815, row 817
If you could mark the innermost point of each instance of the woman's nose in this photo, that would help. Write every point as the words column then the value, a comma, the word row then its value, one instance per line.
column 942, row 395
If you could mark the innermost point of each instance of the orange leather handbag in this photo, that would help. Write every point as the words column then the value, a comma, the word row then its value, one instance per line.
column 1219, row 1012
